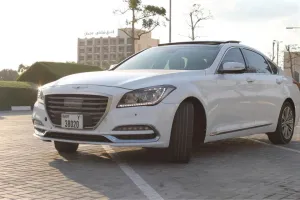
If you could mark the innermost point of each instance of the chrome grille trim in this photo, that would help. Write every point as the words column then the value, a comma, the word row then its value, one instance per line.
column 93, row 107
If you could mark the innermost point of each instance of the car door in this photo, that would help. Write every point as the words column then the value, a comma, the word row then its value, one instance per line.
column 234, row 106
column 269, row 90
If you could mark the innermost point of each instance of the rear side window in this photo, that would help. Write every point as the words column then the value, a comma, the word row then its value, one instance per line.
column 233, row 55
column 256, row 62
column 273, row 67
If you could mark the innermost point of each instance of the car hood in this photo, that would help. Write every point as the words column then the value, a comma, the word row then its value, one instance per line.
column 129, row 79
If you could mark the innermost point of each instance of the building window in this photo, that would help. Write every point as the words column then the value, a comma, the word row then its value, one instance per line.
column 121, row 48
column 81, row 43
column 121, row 57
column 98, row 41
column 113, row 49
column 89, row 63
column 129, row 48
column 121, row 41
column 89, row 57
column 105, row 41
column 129, row 41
column 112, row 56
column 90, row 42
column 81, row 50
column 105, row 49
column 105, row 56
column 97, row 49
column 113, row 41
column 81, row 58
column 90, row 50
column 97, row 57
column 129, row 54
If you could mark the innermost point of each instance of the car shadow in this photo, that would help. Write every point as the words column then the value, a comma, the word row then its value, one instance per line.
column 98, row 172
column 217, row 149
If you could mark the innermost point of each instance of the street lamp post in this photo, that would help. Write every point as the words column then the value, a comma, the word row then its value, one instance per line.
column 170, row 22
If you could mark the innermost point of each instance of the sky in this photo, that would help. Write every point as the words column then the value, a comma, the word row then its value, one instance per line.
column 47, row 30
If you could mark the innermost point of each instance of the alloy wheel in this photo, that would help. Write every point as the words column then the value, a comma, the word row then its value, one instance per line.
column 287, row 122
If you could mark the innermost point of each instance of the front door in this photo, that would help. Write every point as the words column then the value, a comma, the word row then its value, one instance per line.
column 233, row 109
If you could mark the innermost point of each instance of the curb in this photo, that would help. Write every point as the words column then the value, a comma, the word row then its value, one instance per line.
column 20, row 108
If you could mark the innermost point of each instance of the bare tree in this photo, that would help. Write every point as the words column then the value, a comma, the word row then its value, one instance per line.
column 292, row 56
column 196, row 15
column 147, row 16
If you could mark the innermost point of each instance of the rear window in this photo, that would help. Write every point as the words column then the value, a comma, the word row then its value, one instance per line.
column 184, row 57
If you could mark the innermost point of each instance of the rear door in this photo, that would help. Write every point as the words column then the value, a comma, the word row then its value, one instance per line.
column 269, row 89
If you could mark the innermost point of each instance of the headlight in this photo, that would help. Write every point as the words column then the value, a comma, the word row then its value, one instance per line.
column 146, row 96
column 40, row 96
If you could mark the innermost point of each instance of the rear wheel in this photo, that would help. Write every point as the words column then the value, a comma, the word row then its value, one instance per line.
column 64, row 147
column 285, row 125
column 180, row 146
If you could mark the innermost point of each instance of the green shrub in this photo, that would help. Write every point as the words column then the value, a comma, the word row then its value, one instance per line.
column 44, row 72
column 13, row 93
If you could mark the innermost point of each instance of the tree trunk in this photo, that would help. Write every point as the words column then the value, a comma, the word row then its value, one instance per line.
column 192, row 27
column 132, row 31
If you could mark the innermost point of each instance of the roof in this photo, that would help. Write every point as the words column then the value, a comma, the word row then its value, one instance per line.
column 201, row 42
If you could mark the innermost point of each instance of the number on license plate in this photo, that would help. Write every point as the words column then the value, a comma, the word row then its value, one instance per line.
column 72, row 121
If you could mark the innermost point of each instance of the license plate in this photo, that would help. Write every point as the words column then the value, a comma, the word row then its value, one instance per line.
column 72, row 121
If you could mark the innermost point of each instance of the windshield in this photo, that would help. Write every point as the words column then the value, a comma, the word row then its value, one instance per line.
column 187, row 57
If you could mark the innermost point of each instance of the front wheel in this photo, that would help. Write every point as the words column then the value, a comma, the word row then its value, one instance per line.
column 180, row 146
column 285, row 125
column 64, row 147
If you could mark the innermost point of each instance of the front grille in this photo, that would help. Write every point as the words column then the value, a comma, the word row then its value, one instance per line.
column 92, row 107
column 77, row 137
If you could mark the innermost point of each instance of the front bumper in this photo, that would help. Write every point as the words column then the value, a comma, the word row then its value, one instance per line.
column 159, row 118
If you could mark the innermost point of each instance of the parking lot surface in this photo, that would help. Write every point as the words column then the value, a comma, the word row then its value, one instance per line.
column 241, row 168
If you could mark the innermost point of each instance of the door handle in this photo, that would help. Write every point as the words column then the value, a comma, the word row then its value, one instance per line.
column 250, row 80
column 279, row 80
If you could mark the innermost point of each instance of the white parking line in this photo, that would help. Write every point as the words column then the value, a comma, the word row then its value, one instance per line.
column 279, row 147
column 148, row 191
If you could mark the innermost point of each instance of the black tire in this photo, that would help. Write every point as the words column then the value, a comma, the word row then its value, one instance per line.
column 180, row 147
column 280, row 136
column 64, row 147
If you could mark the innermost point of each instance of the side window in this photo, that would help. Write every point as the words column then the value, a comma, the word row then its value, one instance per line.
column 233, row 55
column 274, row 67
column 257, row 63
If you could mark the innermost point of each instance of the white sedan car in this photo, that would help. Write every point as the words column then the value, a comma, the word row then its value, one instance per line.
column 173, row 96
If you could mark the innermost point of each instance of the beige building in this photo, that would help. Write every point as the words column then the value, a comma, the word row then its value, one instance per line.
column 104, row 51
column 295, row 61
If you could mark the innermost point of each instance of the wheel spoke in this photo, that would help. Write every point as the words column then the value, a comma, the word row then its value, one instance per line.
column 290, row 116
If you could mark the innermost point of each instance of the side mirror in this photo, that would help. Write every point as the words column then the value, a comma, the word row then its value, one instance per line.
column 232, row 67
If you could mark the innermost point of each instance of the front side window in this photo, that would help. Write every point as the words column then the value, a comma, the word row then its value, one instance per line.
column 256, row 62
column 173, row 57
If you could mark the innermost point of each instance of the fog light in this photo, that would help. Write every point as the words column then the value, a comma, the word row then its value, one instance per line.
column 133, row 128
column 37, row 122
